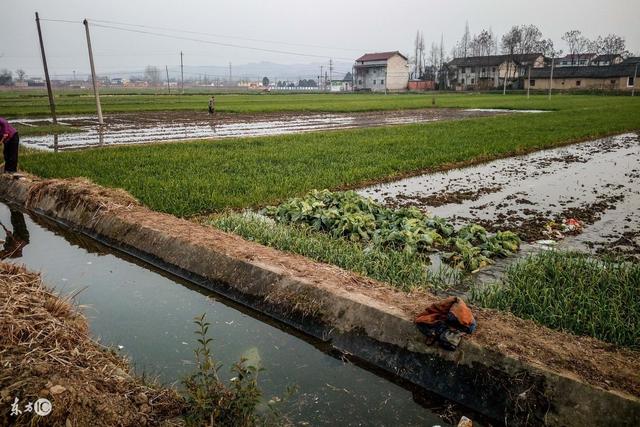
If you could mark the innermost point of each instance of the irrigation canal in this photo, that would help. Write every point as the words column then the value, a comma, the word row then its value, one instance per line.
column 148, row 315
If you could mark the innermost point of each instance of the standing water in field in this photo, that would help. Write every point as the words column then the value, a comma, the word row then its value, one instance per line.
column 596, row 182
column 123, row 129
column 149, row 316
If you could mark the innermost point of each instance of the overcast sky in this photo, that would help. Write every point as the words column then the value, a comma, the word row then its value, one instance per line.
column 330, row 28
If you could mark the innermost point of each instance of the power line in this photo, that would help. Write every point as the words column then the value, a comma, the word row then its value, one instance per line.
column 284, row 52
column 61, row 20
column 226, row 36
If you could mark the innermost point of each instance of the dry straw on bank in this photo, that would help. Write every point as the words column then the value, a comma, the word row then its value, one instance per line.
column 45, row 351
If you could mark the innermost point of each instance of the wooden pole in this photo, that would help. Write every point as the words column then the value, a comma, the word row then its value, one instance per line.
column 551, row 76
column 93, row 73
column 181, row 74
column 635, row 81
column 168, row 87
column 52, row 103
column 529, row 83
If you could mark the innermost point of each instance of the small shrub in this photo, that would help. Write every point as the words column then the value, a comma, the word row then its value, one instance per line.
column 211, row 402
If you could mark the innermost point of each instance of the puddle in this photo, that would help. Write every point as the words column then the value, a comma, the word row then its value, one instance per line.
column 150, row 315
column 503, row 110
column 169, row 126
column 597, row 182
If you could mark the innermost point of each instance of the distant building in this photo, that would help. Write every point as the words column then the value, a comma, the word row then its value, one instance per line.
column 344, row 85
column 632, row 60
column 579, row 60
column 35, row 82
column 118, row 81
column 606, row 60
column 489, row 72
column 614, row 77
column 381, row 72
column 422, row 85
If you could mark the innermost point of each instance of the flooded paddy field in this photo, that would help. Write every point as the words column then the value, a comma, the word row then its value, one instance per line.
column 148, row 315
column 596, row 182
column 122, row 129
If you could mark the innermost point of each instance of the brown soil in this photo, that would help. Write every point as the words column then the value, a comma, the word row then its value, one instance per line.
column 626, row 246
column 531, row 227
column 591, row 360
column 438, row 199
column 46, row 352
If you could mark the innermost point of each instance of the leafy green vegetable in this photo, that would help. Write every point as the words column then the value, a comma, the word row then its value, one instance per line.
column 358, row 219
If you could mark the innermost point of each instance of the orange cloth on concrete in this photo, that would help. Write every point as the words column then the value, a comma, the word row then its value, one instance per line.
column 450, row 311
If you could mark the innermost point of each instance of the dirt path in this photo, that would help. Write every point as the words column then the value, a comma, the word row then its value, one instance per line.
column 596, row 182
column 136, row 128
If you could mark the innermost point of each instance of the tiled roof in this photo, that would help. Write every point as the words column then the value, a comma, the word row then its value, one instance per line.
column 379, row 56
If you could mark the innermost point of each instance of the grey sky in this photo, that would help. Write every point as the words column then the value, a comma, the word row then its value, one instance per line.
column 351, row 27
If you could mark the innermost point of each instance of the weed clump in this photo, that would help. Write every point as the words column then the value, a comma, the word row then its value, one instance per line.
column 209, row 401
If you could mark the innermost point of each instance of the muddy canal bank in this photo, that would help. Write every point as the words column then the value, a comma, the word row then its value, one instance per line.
column 509, row 369
column 130, row 128
column 596, row 182
column 46, row 348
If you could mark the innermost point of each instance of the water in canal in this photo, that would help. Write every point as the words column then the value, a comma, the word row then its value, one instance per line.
column 150, row 315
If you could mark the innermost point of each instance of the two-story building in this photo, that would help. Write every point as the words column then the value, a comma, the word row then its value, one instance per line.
column 490, row 72
column 382, row 72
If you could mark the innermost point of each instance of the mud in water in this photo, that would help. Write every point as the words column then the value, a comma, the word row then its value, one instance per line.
column 136, row 128
column 596, row 182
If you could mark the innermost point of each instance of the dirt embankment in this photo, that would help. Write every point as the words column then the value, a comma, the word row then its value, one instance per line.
column 46, row 352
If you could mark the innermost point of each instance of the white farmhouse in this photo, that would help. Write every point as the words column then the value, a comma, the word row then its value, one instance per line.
column 381, row 72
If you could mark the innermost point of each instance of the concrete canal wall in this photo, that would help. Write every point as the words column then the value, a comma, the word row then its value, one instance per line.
column 510, row 369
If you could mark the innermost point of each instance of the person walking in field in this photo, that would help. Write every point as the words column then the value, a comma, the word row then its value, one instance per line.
column 9, row 139
column 212, row 105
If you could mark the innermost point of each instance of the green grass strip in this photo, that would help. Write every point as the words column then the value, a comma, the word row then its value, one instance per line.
column 573, row 292
column 188, row 178
column 401, row 270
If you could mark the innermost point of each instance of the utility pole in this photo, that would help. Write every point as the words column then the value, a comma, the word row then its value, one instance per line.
column 551, row 76
column 321, row 79
column 230, row 75
column 181, row 74
column 168, row 87
column 635, row 81
column 330, row 73
column 52, row 103
column 529, row 82
column 326, row 76
column 93, row 73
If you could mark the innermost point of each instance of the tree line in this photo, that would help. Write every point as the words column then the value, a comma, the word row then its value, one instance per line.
column 518, row 40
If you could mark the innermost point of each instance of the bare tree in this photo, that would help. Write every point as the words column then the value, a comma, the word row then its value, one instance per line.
column 416, row 47
column 510, row 42
column 422, row 57
column 530, row 40
column 576, row 43
column 465, row 41
column 6, row 77
column 611, row 44
column 21, row 74
column 152, row 74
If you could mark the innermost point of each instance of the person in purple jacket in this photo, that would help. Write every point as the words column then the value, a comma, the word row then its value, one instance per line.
column 9, row 139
